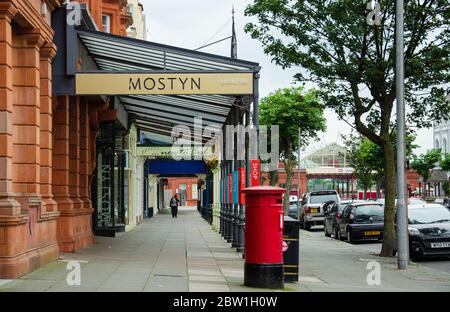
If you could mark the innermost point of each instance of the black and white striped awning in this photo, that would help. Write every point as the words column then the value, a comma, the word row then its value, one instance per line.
column 160, row 113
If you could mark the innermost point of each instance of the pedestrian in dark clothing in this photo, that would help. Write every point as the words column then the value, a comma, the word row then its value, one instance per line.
column 174, row 203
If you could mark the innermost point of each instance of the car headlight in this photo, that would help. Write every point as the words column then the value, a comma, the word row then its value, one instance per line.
column 413, row 231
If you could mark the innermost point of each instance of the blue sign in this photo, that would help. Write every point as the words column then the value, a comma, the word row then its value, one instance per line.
column 170, row 167
column 235, row 187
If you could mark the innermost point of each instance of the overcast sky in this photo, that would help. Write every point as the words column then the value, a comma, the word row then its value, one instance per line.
column 190, row 24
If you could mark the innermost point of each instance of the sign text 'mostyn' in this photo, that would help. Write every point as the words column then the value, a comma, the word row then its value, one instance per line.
column 164, row 84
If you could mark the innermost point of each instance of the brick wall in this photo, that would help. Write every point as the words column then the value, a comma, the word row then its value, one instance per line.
column 175, row 183
column 116, row 9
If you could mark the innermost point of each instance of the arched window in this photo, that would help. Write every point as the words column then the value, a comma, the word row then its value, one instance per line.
column 444, row 146
column 437, row 144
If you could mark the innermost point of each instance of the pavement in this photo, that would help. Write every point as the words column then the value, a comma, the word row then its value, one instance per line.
column 185, row 254
column 439, row 263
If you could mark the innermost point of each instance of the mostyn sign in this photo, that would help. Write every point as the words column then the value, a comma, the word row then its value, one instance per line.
column 164, row 84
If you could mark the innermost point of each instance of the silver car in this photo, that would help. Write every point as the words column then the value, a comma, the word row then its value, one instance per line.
column 311, row 210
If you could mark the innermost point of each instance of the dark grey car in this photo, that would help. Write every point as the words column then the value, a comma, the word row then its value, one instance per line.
column 333, row 215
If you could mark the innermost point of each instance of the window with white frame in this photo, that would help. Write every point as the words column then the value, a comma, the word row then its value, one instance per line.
column 106, row 23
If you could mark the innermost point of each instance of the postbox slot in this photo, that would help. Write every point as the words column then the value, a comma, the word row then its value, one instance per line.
column 276, row 202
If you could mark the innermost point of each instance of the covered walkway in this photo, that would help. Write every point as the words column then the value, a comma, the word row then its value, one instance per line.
column 163, row 254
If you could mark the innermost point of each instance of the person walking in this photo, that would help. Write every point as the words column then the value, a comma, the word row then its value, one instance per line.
column 174, row 203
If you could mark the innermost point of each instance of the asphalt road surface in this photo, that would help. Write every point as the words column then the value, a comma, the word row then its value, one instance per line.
column 442, row 264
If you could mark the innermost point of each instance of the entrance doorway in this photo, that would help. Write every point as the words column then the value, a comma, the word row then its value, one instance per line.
column 183, row 194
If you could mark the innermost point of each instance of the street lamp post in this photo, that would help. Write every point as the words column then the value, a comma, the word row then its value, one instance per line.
column 298, row 173
column 298, row 176
column 402, row 213
column 374, row 18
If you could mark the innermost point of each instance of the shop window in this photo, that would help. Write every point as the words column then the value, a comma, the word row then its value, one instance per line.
column 106, row 23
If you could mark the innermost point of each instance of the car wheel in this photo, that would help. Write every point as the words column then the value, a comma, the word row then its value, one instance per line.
column 349, row 237
column 335, row 231
column 413, row 255
column 306, row 225
column 339, row 235
column 301, row 222
column 325, row 230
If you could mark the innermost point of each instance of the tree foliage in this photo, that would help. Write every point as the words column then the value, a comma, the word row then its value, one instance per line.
column 292, row 109
column 361, row 155
column 425, row 162
column 445, row 162
column 353, row 64
column 445, row 165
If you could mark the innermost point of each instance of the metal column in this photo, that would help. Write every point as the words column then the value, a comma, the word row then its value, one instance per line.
column 402, row 209
column 236, row 165
column 231, row 164
column 245, row 164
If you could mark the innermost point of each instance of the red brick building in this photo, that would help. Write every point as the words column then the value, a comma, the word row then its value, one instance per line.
column 47, row 143
column 110, row 15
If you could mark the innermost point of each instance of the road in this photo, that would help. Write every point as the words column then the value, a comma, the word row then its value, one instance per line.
column 442, row 264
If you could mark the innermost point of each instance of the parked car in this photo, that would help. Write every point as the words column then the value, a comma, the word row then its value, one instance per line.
column 411, row 201
column 293, row 209
column 429, row 231
column 311, row 209
column 446, row 202
column 332, row 215
column 361, row 221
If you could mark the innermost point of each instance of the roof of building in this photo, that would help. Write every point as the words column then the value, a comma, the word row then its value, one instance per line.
column 438, row 175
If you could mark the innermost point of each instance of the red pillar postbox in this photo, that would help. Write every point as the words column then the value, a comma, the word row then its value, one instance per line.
column 264, row 223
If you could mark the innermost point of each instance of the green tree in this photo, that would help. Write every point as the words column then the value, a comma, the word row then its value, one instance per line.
column 445, row 162
column 273, row 177
column 372, row 155
column 425, row 162
column 445, row 165
column 292, row 109
column 361, row 158
column 353, row 64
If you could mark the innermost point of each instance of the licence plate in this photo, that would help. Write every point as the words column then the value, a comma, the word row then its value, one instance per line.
column 314, row 210
column 440, row 245
column 372, row 233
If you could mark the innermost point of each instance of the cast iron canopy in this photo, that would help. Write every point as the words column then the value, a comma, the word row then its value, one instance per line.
column 160, row 113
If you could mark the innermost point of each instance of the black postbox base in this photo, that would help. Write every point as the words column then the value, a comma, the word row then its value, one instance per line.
column 264, row 275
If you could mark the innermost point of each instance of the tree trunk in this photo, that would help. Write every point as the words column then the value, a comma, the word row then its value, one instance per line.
column 378, row 188
column 389, row 233
column 365, row 193
column 273, row 178
column 288, row 168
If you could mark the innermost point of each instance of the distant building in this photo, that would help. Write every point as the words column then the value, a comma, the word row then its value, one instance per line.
column 138, row 29
column 441, row 135
column 328, row 169
column 331, row 155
